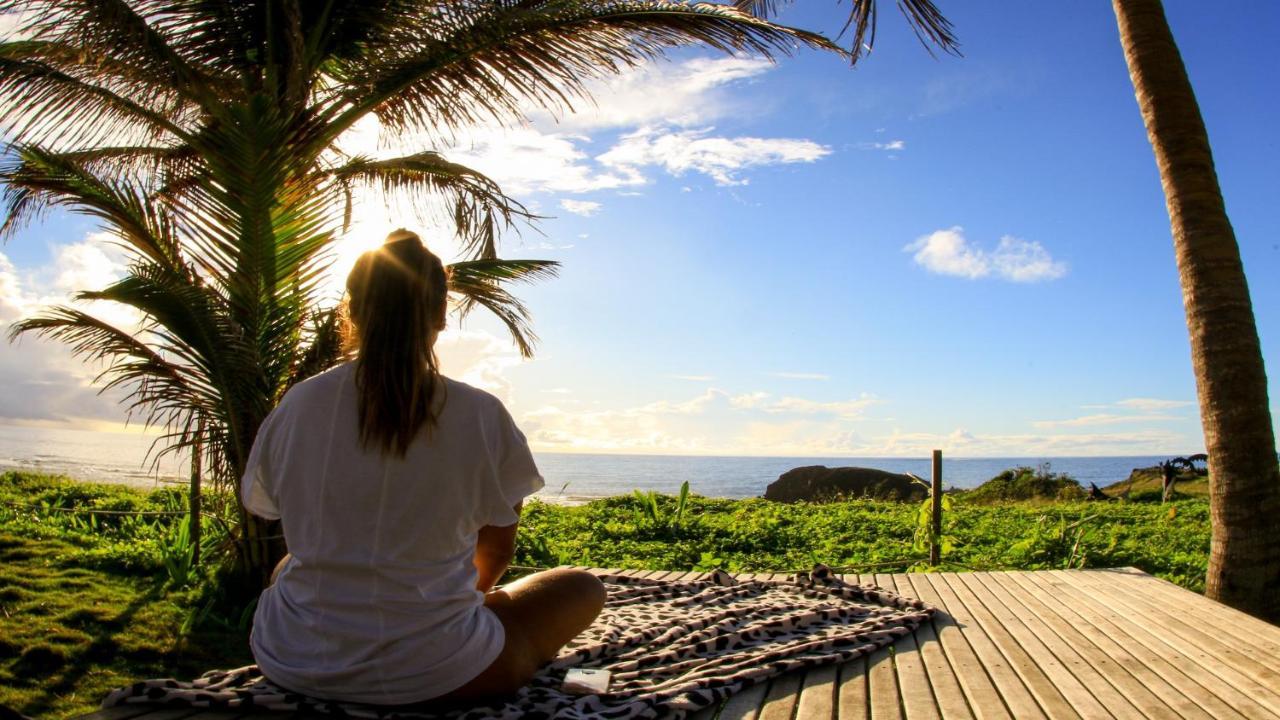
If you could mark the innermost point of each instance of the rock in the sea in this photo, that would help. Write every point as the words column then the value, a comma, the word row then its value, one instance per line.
column 818, row 483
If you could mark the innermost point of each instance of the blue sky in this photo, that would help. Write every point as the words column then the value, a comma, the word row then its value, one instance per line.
column 807, row 259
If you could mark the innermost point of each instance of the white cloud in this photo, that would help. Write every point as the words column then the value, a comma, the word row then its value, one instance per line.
column 658, row 98
column 1025, row 261
column 44, row 382
column 693, row 378
column 1129, row 411
column 713, row 421
column 675, row 93
column 801, row 376
column 585, row 208
column 1153, row 404
column 720, row 158
column 891, row 145
column 964, row 443
column 948, row 252
column 478, row 358
column 1104, row 419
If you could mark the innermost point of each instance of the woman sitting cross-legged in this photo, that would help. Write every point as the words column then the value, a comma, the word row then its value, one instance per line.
column 399, row 491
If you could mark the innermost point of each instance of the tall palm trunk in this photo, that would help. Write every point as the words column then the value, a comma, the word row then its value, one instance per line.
column 1244, row 480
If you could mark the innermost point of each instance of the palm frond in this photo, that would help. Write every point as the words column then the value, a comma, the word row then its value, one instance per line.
column 324, row 347
column 164, row 389
column 48, row 106
column 130, row 35
column 38, row 179
column 479, row 282
column 480, row 210
column 484, row 61
column 931, row 27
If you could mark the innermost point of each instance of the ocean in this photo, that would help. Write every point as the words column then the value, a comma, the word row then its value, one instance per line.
column 571, row 478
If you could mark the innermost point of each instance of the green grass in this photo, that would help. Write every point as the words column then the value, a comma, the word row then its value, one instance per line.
column 1170, row 541
column 87, row 604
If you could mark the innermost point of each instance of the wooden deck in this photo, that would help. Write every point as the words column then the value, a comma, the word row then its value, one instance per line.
column 1049, row 644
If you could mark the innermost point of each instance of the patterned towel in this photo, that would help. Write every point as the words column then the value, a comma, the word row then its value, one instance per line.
column 672, row 648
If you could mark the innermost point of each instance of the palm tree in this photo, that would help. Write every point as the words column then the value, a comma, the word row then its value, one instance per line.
column 1231, row 381
column 1244, row 479
column 205, row 135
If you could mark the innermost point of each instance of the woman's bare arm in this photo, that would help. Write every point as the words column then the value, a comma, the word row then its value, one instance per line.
column 495, row 548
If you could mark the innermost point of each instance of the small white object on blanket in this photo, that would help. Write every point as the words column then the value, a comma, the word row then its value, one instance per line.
column 586, row 681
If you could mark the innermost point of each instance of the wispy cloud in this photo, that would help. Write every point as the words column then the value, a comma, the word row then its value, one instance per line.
column 1154, row 404
column 1129, row 411
column 713, row 421
column 693, row 378
column 1104, row 419
column 948, row 252
column 640, row 129
column 585, row 208
column 892, row 145
column 801, row 375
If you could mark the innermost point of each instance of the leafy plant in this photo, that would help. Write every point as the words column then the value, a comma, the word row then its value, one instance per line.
column 176, row 556
column 924, row 536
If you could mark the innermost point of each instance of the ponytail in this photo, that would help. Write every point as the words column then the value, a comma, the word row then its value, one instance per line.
column 395, row 306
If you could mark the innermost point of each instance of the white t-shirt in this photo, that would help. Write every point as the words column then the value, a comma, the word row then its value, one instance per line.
column 379, row 602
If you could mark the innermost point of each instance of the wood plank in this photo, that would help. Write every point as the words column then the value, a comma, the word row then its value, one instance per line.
column 780, row 702
column 1262, row 636
column 942, row 677
column 744, row 705
column 914, row 687
column 1047, row 696
column 852, row 699
column 960, row 683
column 1096, row 669
column 1216, row 656
column 818, row 695
column 884, row 701
column 967, row 675
column 1059, row 670
column 1018, row 699
column 1171, row 663
column 1151, row 670
column 882, row 686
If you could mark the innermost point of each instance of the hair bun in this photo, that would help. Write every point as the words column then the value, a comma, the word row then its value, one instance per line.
column 401, row 234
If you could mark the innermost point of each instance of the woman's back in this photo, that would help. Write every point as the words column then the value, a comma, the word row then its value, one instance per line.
column 379, row 600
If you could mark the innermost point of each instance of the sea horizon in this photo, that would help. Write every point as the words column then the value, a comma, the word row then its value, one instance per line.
column 574, row 477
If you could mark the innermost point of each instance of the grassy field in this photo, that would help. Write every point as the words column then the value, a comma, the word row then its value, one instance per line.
column 90, row 602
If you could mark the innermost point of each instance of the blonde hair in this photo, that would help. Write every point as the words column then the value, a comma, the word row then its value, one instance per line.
column 396, row 301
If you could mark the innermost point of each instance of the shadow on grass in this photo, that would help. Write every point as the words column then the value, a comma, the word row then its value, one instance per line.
column 42, row 661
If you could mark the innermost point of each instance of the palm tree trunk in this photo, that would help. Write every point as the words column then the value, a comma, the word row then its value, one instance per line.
column 194, row 499
column 1231, row 383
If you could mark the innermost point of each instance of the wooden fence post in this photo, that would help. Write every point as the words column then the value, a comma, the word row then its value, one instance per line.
column 936, row 530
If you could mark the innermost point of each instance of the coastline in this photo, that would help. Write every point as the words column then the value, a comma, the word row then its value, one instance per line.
column 571, row 478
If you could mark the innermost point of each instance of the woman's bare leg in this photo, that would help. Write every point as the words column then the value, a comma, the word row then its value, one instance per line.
column 540, row 613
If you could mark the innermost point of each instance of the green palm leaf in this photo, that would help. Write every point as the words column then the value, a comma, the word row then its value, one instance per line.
column 479, row 282
column 926, row 21
column 480, row 210
column 485, row 61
